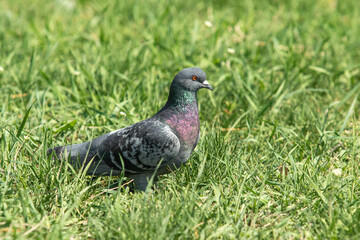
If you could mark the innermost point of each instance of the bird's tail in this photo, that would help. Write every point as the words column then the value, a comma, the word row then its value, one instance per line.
column 70, row 151
column 73, row 154
column 56, row 152
column 82, row 156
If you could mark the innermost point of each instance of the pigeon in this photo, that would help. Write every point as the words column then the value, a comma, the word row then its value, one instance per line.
column 149, row 148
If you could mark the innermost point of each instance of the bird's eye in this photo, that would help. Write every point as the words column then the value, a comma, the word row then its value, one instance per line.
column 194, row 78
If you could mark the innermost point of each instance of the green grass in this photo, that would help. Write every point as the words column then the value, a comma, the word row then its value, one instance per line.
column 282, row 121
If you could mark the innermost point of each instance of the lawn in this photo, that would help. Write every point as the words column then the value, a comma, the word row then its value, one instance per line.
column 279, row 154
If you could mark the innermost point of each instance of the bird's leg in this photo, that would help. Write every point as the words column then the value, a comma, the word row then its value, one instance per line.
column 142, row 181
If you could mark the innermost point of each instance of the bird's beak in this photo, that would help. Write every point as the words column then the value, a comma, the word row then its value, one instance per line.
column 207, row 85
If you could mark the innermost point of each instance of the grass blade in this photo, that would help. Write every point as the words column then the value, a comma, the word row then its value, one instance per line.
column 348, row 115
column 24, row 120
column 65, row 126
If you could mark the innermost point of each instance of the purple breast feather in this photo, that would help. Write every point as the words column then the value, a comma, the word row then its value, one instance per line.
column 187, row 126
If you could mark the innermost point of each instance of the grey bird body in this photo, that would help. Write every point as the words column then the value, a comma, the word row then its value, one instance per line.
column 151, row 147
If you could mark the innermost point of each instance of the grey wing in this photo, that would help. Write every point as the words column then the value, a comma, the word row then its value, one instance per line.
column 138, row 148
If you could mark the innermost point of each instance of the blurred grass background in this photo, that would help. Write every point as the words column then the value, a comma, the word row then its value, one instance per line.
column 279, row 150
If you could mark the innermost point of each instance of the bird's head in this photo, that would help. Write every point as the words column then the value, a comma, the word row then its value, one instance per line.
column 191, row 79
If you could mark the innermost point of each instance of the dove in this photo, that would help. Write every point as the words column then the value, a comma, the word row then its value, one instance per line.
column 152, row 147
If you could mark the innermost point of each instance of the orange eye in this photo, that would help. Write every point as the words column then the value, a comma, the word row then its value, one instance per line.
column 195, row 78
